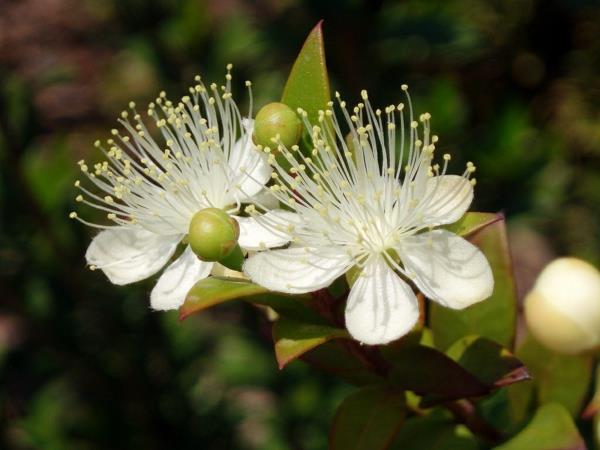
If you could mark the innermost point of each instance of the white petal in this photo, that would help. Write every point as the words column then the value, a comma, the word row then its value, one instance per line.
column 381, row 307
column 447, row 268
column 250, row 167
column 265, row 199
column 127, row 255
column 266, row 231
column 298, row 269
column 175, row 282
column 447, row 198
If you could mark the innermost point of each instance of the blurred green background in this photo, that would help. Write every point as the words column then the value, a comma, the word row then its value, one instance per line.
column 513, row 85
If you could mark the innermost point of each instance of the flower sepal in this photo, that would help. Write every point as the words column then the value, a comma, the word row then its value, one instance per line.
column 234, row 259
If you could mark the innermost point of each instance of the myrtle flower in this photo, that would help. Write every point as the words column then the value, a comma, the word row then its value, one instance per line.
column 151, row 187
column 372, row 200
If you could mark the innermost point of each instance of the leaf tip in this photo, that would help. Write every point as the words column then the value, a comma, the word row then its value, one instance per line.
column 184, row 312
column 517, row 375
column 282, row 361
column 590, row 410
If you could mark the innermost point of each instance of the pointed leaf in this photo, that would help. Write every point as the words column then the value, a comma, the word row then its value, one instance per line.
column 593, row 407
column 307, row 86
column 212, row 291
column 368, row 419
column 550, row 429
column 427, row 371
column 293, row 338
column 472, row 222
column 563, row 379
column 434, row 431
column 494, row 318
column 491, row 363
column 333, row 358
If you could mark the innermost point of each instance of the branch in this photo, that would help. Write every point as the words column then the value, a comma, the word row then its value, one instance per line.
column 464, row 412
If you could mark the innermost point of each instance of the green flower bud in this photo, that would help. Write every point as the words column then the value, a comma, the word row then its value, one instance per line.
column 277, row 119
column 213, row 234
column 563, row 308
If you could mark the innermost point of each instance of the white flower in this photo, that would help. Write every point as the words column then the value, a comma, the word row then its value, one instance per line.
column 357, row 206
column 152, row 187
column 563, row 308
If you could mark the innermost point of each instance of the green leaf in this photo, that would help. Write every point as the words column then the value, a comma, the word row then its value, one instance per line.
column 592, row 411
column 307, row 86
column 368, row 419
column 435, row 431
column 550, row 429
column 596, row 424
column 212, row 291
column 472, row 222
column 293, row 338
column 427, row 371
column 334, row 358
column 501, row 413
column 495, row 317
column 593, row 407
column 557, row 378
column 495, row 367
column 492, row 364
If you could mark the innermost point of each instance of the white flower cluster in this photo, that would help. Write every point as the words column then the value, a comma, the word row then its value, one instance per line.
column 368, row 200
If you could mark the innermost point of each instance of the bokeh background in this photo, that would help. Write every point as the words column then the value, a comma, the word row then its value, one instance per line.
column 513, row 85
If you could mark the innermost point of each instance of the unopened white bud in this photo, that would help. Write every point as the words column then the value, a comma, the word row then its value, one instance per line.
column 563, row 308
